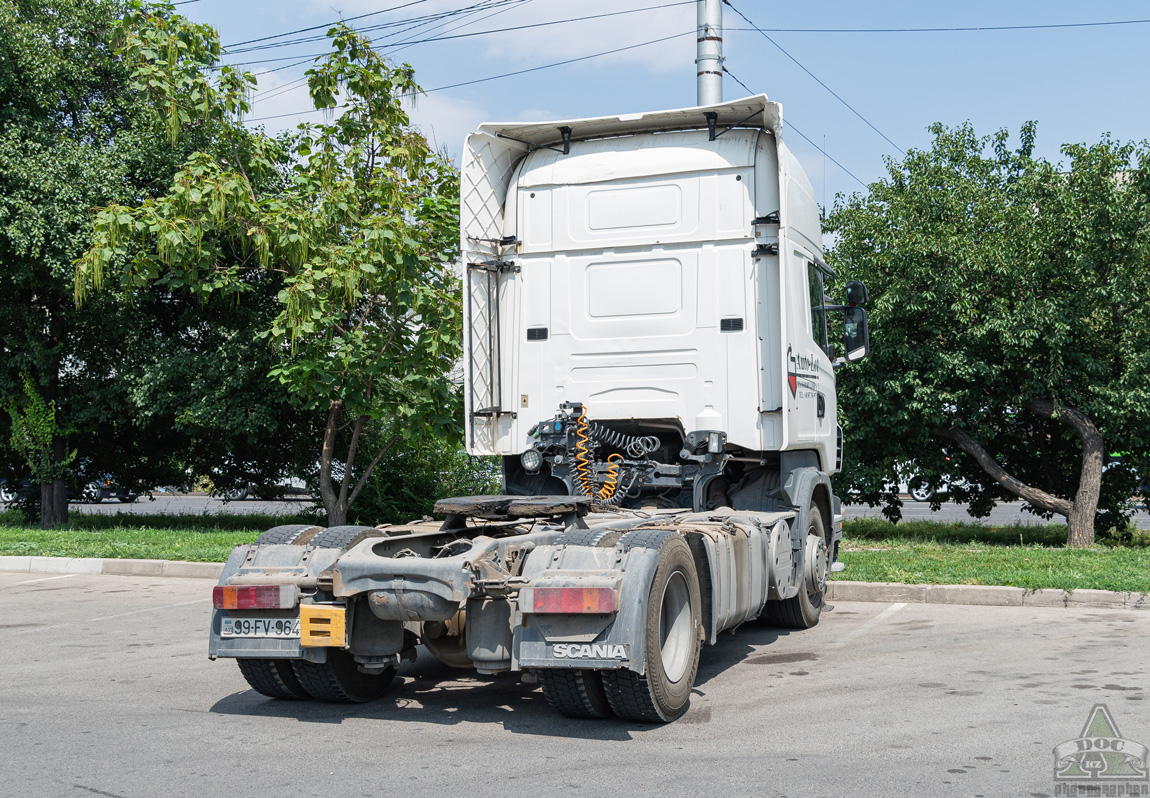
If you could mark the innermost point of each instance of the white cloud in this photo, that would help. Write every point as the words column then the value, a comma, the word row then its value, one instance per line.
column 446, row 120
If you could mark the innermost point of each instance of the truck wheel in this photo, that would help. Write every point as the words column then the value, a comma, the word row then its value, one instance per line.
column 273, row 678
column 289, row 533
column 674, row 611
column 575, row 693
column 339, row 680
column 803, row 611
column 344, row 537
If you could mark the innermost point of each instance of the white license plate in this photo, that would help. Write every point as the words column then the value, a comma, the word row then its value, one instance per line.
column 260, row 627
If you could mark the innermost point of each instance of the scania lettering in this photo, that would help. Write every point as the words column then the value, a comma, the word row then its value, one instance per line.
column 576, row 651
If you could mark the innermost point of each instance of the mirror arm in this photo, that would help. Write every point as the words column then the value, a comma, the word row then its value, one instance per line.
column 838, row 363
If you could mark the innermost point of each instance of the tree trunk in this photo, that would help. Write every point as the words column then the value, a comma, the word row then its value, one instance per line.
column 1079, row 513
column 1081, row 518
column 54, row 494
column 337, row 502
column 332, row 504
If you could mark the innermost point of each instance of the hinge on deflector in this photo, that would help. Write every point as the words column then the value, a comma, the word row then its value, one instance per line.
column 498, row 266
column 506, row 241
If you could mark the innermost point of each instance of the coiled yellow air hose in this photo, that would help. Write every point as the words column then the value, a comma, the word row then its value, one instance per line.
column 583, row 464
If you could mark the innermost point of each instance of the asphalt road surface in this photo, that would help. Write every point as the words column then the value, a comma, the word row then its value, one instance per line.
column 1011, row 513
column 108, row 692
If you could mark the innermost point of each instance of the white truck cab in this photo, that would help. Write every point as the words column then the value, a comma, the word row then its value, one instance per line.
column 661, row 273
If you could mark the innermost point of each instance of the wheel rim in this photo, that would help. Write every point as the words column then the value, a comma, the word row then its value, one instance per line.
column 921, row 494
column 91, row 492
column 675, row 627
column 818, row 564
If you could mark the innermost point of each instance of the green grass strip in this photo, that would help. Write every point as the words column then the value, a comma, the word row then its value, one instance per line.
column 971, row 554
column 873, row 550
column 191, row 538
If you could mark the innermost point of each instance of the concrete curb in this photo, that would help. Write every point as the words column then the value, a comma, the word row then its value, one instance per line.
column 885, row 592
column 95, row 565
column 984, row 595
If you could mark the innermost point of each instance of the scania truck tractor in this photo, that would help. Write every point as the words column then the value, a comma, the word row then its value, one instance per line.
column 648, row 349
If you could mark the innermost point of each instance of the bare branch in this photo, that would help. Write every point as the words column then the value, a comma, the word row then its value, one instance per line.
column 371, row 466
column 1036, row 497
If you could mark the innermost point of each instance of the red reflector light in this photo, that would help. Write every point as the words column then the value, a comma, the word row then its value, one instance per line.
column 251, row 597
column 574, row 599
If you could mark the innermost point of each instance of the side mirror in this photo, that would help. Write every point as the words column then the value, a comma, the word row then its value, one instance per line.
column 856, row 293
column 856, row 335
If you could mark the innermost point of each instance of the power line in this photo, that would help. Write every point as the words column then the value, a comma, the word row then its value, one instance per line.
column 791, row 125
column 975, row 28
column 492, row 30
column 815, row 77
column 284, row 89
column 405, row 44
column 511, row 74
column 409, row 23
column 326, row 24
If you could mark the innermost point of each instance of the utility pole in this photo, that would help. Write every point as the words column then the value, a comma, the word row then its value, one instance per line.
column 709, row 58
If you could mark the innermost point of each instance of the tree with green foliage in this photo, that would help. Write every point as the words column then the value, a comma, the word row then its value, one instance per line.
column 148, row 383
column 1010, row 325
column 356, row 218
column 70, row 139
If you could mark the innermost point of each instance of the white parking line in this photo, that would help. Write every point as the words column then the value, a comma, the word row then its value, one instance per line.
column 45, row 579
column 866, row 627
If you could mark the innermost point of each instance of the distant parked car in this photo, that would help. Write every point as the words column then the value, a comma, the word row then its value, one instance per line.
column 293, row 487
column 9, row 493
column 92, row 491
column 95, row 491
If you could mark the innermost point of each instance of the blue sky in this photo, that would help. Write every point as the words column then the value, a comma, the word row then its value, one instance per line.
column 1077, row 83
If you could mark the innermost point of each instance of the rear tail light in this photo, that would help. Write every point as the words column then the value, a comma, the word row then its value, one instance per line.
column 254, row 597
column 574, row 599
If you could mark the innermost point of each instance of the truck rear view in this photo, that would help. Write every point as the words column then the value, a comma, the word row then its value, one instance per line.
column 648, row 350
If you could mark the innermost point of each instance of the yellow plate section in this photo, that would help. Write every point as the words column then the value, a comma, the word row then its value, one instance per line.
column 322, row 626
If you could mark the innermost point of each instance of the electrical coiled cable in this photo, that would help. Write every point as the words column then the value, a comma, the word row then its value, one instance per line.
column 634, row 445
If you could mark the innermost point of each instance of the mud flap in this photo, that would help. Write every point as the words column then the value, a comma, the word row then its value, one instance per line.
column 588, row 640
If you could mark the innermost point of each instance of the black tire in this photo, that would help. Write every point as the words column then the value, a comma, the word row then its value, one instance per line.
column 7, row 495
column 274, row 678
column 290, row 533
column 920, row 491
column 344, row 537
column 339, row 680
column 802, row 611
column 126, row 498
column 672, row 638
column 575, row 693
column 237, row 495
column 91, row 493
